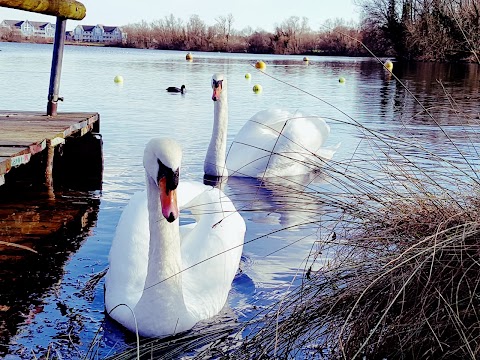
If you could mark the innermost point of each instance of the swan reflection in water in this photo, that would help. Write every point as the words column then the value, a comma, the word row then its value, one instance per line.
column 285, row 201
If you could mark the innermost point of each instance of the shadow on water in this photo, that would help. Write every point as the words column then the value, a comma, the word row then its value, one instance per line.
column 54, row 229
column 39, row 230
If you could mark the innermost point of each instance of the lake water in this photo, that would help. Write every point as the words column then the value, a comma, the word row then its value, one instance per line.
column 140, row 108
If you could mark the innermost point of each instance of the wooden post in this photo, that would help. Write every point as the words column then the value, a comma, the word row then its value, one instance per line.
column 49, row 170
column 68, row 9
column 56, row 70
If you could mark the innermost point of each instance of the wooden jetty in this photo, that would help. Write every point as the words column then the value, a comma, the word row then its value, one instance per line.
column 34, row 146
column 25, row 134
column 37, row 151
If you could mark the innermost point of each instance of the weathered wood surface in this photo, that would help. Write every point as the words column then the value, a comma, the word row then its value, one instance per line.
column 23, row 134
column 68, row 9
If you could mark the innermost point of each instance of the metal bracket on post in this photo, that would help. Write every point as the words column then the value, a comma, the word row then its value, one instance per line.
column 56, row 70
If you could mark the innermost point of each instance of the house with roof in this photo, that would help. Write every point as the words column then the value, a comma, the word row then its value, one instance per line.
column 43, row 29
column 30, row 28
column 98, row 33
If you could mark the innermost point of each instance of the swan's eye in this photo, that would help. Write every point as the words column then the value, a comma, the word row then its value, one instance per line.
column 171, row 176
column 217, row 83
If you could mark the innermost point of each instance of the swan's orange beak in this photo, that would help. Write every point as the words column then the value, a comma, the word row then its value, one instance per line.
column 168, row 200
column 216, row 93
column 217, row 86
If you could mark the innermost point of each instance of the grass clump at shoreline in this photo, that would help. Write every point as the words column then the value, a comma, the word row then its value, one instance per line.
column 417, row 299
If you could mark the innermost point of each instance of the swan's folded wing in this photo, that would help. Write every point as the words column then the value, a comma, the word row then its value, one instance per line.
column 211, row 253
column 277, row 142
column 250, row 150
column 188, row 191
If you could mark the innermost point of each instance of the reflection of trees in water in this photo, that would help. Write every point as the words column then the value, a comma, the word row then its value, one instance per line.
column 55, row 230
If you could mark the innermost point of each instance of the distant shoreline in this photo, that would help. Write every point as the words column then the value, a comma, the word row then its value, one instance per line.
column 67, row 42
column 123, row 46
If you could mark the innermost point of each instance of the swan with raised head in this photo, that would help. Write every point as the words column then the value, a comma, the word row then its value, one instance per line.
column 163, row 278
column 273, row 142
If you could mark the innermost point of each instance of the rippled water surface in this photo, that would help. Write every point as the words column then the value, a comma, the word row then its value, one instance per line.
column 140, row 108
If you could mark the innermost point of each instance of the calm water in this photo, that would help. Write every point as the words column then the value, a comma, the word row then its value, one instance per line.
column 133, row 112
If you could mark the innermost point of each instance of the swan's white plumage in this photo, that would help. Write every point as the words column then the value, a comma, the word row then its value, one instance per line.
column 219, row 230
column 274, row 142
column 277, row 142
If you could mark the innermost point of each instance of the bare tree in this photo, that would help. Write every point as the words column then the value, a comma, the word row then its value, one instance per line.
column 423, row 29
column 196, row 33
column 225, row 27
column 139, row 35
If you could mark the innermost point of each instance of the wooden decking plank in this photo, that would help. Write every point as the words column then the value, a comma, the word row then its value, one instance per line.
column 35, row 147
column 27, row 135
column 39, row 129
column 37, row 126
column 10, row 151
column 39, row 117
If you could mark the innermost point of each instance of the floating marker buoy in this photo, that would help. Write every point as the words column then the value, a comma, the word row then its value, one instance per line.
column 389, row 65
column 257, row 88
column 341, row 80
column 260, row 65
column 118, row 79
column 189, row 56
column 306, row 58
column 248, row 76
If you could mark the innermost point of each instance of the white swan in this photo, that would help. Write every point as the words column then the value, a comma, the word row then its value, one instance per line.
column 272, row 143
column 153, row 260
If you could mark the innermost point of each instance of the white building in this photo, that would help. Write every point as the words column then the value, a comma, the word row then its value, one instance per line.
column 30, row 28
column 99, row 33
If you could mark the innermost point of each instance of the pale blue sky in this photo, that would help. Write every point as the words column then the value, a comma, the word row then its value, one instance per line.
column 255, row 13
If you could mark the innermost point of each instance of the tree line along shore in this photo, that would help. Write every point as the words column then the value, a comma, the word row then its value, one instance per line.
column 429, row 30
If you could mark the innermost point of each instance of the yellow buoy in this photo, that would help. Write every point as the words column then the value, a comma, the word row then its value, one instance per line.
column 248, row 76
column 257, row 88
column 389, row 65
column 189, row 56
column 118, row 79
column 260, row 65
column 341, row 80
column 306, row 58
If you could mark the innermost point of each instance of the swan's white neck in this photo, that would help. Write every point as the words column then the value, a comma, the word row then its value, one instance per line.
column 163, row 286
column 214, row 164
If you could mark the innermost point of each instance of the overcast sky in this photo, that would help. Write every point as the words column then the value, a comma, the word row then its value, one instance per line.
column 255, row 13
